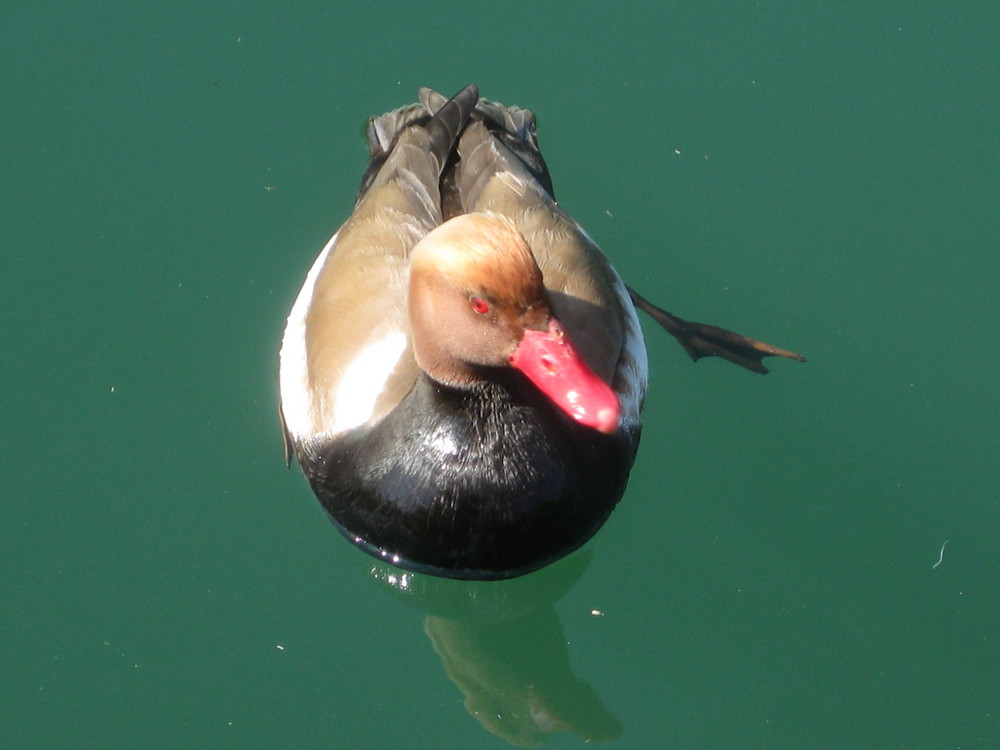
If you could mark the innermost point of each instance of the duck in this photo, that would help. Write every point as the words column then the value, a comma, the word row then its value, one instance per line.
column 462, row 373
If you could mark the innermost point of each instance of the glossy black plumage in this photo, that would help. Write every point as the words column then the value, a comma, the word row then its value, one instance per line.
column 486, row 482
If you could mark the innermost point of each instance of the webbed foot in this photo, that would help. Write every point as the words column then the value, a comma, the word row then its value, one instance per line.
column 701, row 340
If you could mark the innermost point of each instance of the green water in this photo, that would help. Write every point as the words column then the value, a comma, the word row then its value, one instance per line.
column 823, row 177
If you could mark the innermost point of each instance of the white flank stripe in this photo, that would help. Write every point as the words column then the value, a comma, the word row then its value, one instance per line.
column 293, row 375
column 633, row 365
column 364, row 380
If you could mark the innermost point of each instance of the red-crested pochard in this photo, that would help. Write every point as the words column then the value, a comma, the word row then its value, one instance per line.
column 462, row 372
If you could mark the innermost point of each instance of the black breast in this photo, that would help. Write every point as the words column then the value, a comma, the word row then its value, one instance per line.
column 487, row 482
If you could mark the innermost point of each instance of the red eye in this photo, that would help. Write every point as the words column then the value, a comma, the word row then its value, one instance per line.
column 479, row 305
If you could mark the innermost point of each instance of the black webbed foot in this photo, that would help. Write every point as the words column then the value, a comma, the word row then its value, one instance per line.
column 701, row 340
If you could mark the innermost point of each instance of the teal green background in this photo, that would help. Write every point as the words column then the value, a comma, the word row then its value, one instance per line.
column 820, row 175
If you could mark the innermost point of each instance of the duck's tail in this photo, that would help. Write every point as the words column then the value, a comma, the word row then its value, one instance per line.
column 514, row 127
column 447, row 123
column 443, row 122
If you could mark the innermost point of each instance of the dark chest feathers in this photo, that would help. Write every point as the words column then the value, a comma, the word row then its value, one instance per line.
column 487, row 478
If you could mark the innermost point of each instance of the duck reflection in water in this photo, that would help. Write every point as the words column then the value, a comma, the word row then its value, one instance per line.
column 503, row 646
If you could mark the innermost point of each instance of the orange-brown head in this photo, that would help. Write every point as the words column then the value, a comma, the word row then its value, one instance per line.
column 476, row 300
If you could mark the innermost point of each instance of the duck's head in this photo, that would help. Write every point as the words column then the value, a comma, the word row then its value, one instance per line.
column 477, row 302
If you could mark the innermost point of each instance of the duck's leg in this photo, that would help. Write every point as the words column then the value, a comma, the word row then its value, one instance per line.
column 701, row 340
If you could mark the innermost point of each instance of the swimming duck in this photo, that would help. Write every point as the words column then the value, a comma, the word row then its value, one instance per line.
column 462, row 373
